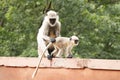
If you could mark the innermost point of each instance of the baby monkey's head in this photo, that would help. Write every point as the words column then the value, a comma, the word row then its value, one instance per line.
column 74, row 40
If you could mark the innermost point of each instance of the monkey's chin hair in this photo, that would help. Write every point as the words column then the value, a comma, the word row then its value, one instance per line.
column 52, row 25
column 76, row 44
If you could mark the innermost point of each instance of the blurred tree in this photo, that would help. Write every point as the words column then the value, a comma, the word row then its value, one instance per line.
column 95, row 22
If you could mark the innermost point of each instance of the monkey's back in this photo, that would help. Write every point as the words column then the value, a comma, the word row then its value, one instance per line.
column 62, row 42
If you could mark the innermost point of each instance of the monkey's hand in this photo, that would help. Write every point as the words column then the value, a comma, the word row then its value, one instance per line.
column 49, row 57
column 53, row 40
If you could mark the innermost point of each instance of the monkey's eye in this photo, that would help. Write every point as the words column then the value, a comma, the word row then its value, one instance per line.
column 76, row 41
column 52, row 21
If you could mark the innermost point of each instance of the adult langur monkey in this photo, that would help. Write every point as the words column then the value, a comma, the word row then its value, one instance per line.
column 49, row 30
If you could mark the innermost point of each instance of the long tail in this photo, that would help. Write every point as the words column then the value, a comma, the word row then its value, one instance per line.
column 40, row 58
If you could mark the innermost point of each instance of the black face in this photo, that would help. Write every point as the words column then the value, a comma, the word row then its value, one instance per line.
column 52, row 21
column 76, row 41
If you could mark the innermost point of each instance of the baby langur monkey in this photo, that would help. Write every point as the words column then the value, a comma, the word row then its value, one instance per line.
column 64, row 45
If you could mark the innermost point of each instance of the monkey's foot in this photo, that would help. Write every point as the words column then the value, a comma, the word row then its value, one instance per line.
column 69, row 56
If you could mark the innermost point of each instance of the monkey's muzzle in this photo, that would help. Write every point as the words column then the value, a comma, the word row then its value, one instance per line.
column 52, row 21
column 76, row 41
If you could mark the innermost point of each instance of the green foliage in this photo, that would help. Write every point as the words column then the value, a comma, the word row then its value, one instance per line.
column 95, row 22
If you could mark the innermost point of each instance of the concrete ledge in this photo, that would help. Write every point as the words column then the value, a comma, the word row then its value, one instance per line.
column 61, row 63
column 22, row 68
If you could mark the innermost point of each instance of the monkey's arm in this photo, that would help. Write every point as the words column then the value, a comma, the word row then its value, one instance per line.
column 43, row 31
column 42, row 36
